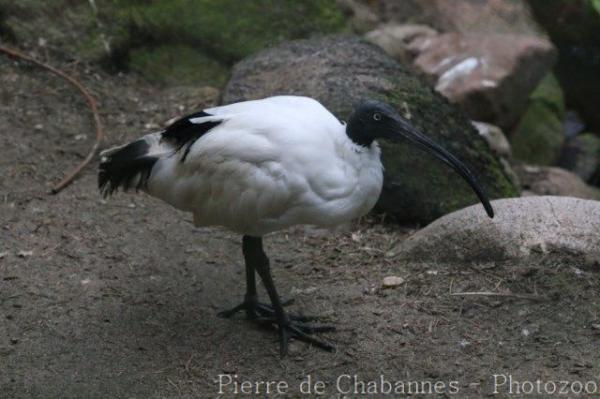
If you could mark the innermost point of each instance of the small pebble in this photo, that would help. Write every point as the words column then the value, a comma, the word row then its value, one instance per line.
column 392, row 281
column 24, row 254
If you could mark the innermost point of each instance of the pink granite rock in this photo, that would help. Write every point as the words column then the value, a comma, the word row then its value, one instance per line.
column 489, row 75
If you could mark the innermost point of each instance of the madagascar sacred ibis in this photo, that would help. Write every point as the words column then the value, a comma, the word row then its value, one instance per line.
column 256, row 167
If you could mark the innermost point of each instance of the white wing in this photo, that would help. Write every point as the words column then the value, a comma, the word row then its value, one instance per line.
column 259, row 166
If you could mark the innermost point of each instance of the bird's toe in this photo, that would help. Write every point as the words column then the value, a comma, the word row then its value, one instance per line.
column 257, row 310
column 269, row 312
column 303, row 332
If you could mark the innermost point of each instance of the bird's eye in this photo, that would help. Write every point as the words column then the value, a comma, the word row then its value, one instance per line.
column 377, row 116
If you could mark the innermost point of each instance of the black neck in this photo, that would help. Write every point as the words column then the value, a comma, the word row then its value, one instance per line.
column 356, row 133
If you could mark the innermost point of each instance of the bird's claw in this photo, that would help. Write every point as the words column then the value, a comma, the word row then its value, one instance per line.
column 302, row 332
column 292, row 326
column 261, row 312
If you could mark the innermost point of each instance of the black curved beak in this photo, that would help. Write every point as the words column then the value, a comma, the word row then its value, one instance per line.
column 404, row 130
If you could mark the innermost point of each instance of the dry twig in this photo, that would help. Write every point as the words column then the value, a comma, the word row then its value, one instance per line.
column 90, row 100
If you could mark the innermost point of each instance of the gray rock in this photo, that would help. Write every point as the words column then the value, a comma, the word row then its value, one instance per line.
column 340, row 71
column 529, row 229
column 581, row 155
column 399, row 40
column 489, row 75
column 539, row 136
column 362, row 17
column 392, row 281
column 499, row 144
column 489, row 16
column 572, row 124
column 495, row 138
column 574, row 26
column 546, row 180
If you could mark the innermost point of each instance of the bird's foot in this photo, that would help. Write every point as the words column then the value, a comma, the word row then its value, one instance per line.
column 301, row 331
column 291, row 326
column 261, row 312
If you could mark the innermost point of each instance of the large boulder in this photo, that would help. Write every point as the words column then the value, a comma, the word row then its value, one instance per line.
column 490, row 56
column 495, row 138
column 581, row 155
column 490, row 16
column 529, row 229
column 398, row 40
column 340, row 71
column 362, row 18
column 548, row 180
column 574, row 27
column 539, row 135
column 489, row 75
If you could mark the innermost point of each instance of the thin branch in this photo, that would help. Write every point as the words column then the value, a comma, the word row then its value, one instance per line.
column 501, row 294
column 100, row 136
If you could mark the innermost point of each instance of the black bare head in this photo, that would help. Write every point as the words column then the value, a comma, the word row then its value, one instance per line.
column 373, row 120
column 369, row 121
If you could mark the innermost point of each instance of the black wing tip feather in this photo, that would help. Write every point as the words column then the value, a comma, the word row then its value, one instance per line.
column 130, row 166
column 110, row 181
column 184, row 133
column 126, row 168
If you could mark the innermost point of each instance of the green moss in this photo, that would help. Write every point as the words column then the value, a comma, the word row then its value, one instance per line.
column 206, row 36
column 227, row 30
column 177, row 64
column 550, row 93
column 444, row 191
column 591, row 142
column 539, row 135
column 198, row 40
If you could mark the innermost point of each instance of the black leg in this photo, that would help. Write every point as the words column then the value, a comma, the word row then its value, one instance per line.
column 288, row 328
column 255, row 310
column 289, row 325
column 251, row 295
column 250, row 300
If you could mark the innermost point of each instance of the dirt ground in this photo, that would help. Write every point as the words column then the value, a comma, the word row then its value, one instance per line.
column 118, row 298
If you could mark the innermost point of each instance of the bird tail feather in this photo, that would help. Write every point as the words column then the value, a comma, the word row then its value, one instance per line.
column 130, row 165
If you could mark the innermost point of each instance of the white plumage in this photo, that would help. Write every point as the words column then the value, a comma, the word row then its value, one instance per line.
column 255, row 174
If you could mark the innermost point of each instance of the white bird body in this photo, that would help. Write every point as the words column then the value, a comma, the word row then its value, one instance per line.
column 255, row 175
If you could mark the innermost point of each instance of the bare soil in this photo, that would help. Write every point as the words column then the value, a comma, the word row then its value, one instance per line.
column 118, row 298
